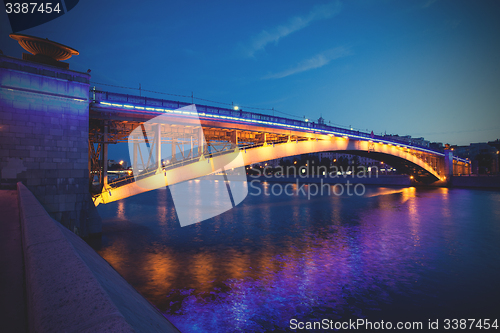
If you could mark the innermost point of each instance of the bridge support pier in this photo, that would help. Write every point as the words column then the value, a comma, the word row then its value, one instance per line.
column 44, row 139
column 191, row 151
column 174, row 150
column 448, row 163
column 234, row 138
column 201, row 142
column 264, row 139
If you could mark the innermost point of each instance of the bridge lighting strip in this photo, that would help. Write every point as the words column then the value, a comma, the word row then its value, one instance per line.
column 204, row 114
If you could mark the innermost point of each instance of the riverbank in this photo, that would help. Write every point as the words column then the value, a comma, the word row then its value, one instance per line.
column 12, row 290
column 491, row 182
column 69, row 287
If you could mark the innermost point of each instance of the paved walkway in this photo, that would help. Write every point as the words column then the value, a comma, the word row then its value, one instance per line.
column 12, row 286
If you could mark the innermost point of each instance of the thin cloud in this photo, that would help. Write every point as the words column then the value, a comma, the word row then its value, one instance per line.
column 317, row 61
column 265, row 37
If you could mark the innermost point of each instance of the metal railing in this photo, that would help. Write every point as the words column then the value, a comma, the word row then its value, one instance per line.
column 148, row 173
column 98, row 96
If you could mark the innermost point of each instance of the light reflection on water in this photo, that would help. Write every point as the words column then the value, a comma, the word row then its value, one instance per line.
column 393, row 254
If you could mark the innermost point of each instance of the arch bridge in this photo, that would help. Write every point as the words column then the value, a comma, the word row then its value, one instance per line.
column 206, row 139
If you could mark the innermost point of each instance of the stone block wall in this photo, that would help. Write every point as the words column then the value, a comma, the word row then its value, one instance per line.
column 44, row 123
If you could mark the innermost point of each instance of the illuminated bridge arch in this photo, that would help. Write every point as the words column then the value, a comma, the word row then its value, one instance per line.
column 259, row 138
column 391, row 154
column 261, row 153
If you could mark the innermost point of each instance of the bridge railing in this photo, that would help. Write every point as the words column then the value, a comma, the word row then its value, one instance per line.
column 112, row 97
column 147, row 173
column 155, row 103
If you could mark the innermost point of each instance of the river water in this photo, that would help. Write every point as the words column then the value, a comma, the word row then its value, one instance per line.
column 392, row 254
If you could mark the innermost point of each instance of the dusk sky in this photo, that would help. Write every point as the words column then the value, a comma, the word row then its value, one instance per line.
column 423, row 68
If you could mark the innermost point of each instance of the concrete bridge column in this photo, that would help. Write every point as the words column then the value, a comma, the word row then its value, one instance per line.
column 44, row 139
column 191, row 151
column 264, row 138
column 234, row 138
column 201, row 142
column 174, row 150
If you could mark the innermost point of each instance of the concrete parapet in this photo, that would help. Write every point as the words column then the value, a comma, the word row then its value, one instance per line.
column 70, row 288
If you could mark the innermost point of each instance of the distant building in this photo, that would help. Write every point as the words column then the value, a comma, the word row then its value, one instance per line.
column 483, row 157
column 332, row 157
column 116, row 165
column 495, row 144
column 436, row 146
column 407, row 139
